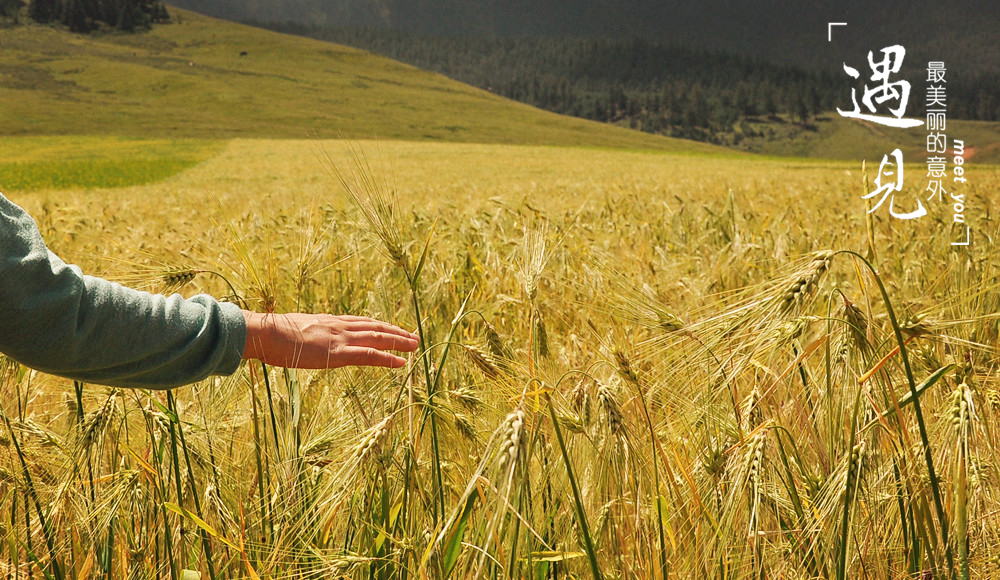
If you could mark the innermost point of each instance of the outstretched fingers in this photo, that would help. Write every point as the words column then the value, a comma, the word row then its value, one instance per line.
column 365, row 341
column 367, row 356
column 362, row 324
column 382, row 340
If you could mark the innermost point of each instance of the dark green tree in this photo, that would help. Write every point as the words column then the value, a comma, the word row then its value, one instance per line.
column 800, row 109
column 87, row 15
column 10, row 8
column 74, row 15
column 44, row 10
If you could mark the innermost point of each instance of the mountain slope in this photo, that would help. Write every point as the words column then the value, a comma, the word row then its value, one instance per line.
column 831, row 136
column 202, row 77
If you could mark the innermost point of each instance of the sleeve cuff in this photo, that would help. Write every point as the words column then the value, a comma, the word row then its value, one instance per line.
column 236, row 332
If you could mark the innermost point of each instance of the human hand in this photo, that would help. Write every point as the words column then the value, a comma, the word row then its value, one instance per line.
column 324, row 341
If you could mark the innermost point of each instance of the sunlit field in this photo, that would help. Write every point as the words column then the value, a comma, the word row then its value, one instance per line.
column 634, row 365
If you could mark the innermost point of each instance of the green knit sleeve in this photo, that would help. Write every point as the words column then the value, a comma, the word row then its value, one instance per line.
column 57, row 320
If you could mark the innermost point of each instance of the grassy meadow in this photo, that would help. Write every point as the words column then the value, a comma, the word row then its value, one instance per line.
column 834, row 137
column 637, row 365
column 34, row 163
column 188, row 79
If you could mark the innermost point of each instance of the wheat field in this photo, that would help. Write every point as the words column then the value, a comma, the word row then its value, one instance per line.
column 633, row 365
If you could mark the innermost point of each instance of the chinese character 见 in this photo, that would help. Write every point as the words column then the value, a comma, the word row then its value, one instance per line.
column 887, row 189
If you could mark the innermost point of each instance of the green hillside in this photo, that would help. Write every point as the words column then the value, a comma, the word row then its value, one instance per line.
column 205, row 78
column 834, row 137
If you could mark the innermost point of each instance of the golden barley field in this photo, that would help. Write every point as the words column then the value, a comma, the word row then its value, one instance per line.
column 633, row 365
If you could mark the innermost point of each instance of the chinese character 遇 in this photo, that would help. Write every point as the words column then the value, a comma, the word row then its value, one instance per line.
column 887, row 189
column 883, row 92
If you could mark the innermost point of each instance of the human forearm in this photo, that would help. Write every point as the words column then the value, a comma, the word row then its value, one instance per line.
column 54, row 319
